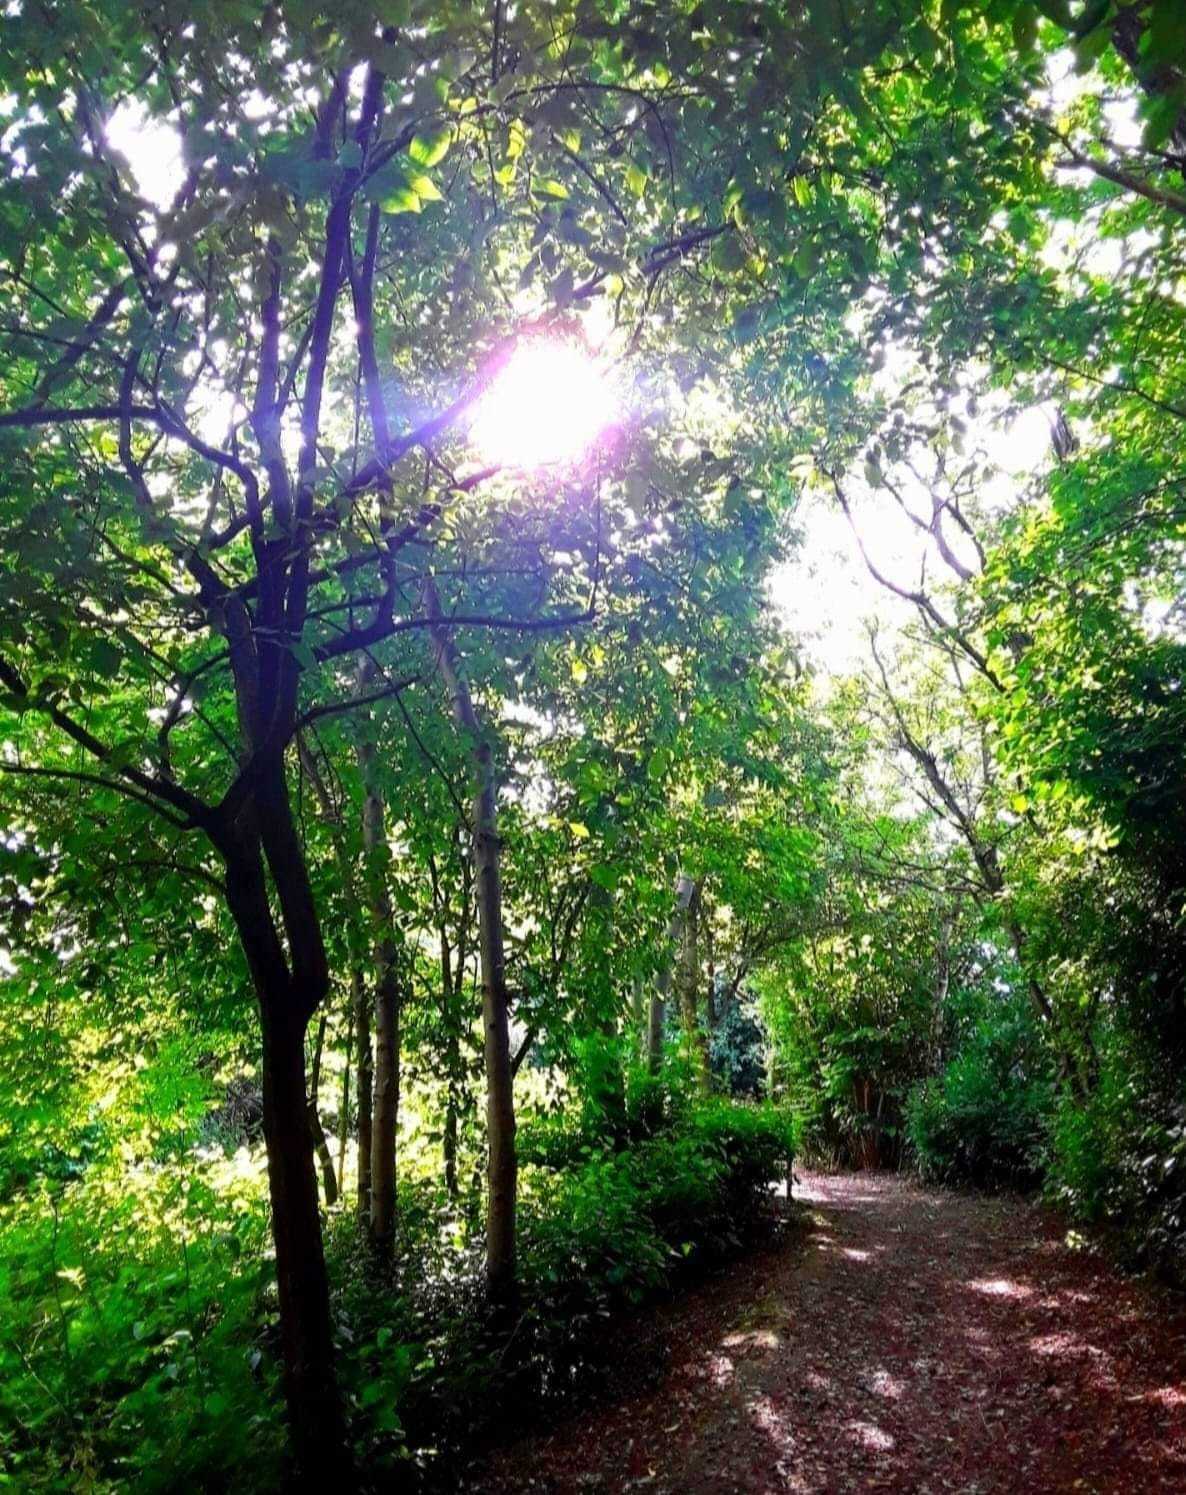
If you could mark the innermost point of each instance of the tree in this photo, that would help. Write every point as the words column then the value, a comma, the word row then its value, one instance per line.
column 218, row 498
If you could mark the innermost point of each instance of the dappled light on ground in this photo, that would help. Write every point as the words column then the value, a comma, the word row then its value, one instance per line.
column 906, row 1340
column 999, row 1287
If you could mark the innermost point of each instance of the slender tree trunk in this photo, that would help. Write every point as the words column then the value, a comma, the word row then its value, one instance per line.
column 305, row 1328
column 286, row 1003
column 661, row 991
column 710, row 985
column 449, row 1142
column 942, row 984
column 385, row 1104
column 611, row 1083
column 689, row 988
column 452, row 1063
column 656, row 1011
column 365, row 1085
column 360, row 1021
column 344, row 1110
column 329, row 1182
column 500, row 1104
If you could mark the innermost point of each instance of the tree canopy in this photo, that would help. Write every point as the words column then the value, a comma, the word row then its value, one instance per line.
column 416, row 425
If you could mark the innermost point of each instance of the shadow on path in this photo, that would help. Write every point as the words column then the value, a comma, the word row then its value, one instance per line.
column 920, row 1341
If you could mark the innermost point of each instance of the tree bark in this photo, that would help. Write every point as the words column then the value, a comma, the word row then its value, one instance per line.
column 502, row 1168
column 286, row 1002
column 360, row 1023
column 656, row 1011
column 306, row 1333
column 710, row 986
column 661, row 991
column 942, row 985
column 689, row 987
column 364, row 1062
column 449, row 1142
column 385, row 1103
column 344, row 1111
column 655, row 1014
column 329, row 1181
column 452, row 1062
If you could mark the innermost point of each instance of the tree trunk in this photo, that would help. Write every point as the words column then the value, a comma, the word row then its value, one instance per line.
column 942, row 985
column 655, row 1014
column 329, row 1182
column 286, row 1004
column 315, row 1416
column 710, row 985
column 344, row 1111
column 385, row 1105
column 500, row 1103
column 364, row 1063
column 689, row 988
column 452, row 1061
column 449, row 1142
column 360, row 1022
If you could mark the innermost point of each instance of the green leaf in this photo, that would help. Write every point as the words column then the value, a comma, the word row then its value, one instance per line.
column 429, row 150
column 425, row 188
column 401, row 200
column 806, row 259
column 728, row 254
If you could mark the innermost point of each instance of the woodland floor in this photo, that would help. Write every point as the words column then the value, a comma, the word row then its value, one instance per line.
column 906, row 1339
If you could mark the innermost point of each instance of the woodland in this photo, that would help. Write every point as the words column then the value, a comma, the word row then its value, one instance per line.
column 590, row 613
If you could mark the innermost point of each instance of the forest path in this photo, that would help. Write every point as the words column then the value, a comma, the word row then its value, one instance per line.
column 913, row 1340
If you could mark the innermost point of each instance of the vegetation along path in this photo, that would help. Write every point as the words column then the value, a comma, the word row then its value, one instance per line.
column 922, row 1340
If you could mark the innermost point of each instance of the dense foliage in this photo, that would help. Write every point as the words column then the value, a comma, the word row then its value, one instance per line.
column 390, row 749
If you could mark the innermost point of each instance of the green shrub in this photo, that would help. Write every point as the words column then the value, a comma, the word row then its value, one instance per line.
column 620, row 1216
column 136, row 1323
column 985, row 1120
column 138, row 1302
column 1118, row 1157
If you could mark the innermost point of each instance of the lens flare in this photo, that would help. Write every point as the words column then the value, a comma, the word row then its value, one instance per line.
column 549, row 404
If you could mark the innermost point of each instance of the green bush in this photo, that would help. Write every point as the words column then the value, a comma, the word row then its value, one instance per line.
column 615, row 1222
column 603, row 1223
column 138, row 1303
column 137, row 1320
column 619, row 1102
column 1118, row 1157
column 985, row 1119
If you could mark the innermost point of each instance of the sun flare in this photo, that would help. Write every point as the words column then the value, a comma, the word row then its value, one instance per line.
column 549, row 404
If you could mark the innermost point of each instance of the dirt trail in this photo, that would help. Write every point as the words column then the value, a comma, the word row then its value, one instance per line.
column 915, row 1340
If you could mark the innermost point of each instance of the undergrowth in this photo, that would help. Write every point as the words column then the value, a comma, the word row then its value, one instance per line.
column 139, row 1346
